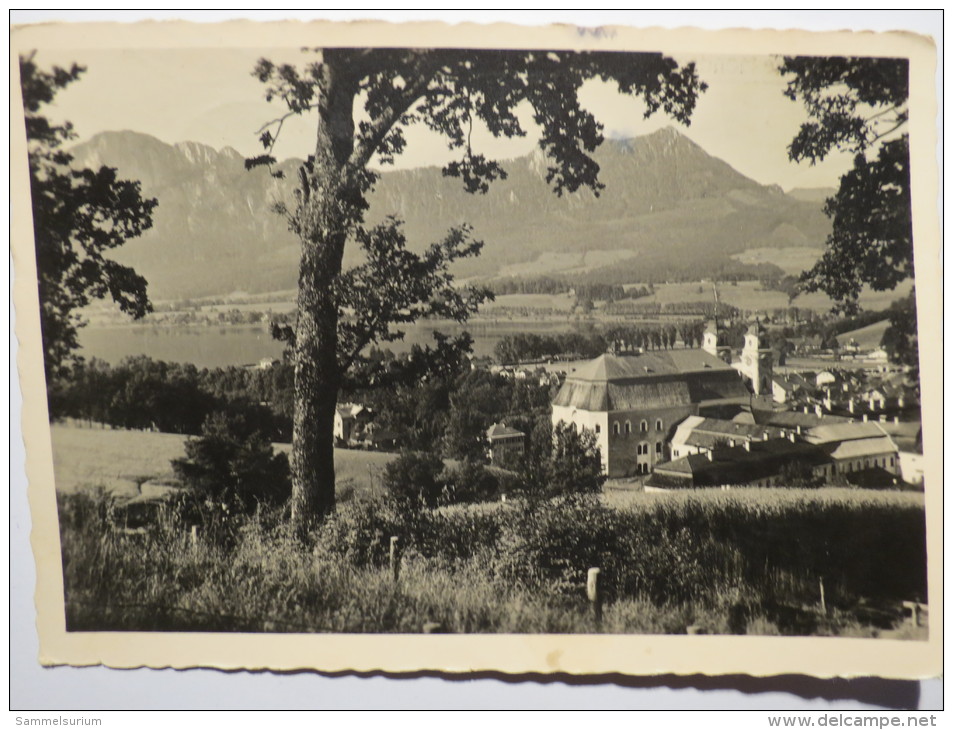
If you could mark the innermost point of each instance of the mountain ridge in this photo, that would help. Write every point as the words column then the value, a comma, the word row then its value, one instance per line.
column 668, row 208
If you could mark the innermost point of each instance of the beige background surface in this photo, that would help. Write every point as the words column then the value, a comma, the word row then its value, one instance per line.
column 638, row 655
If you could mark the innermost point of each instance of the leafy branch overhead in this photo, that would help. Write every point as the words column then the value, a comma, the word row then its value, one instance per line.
column 396, row 286
column 78, row 215
column 858, row 105
column 447, row 91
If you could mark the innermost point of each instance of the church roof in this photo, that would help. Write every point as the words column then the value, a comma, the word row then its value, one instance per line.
column 650, row 380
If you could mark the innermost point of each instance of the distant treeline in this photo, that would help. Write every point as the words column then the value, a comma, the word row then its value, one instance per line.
column 142, row 393
column 700, row 309
column 655, row 267
column 594, row 291
column 527, row 347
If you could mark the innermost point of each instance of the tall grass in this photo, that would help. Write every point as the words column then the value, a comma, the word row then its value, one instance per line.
column 731, row 562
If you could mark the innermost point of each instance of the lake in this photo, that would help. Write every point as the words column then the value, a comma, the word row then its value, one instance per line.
column 210, row 347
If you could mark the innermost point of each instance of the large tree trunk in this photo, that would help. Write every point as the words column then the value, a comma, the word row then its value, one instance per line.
column 330, row 203
column 316, row 390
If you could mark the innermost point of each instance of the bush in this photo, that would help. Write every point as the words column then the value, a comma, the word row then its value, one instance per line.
column 413, row 479
column 561, row 461
column 234, row 464
column 468, row 483
column 552, row 545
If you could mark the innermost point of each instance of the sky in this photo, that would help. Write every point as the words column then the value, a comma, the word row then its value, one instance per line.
column 210, row 96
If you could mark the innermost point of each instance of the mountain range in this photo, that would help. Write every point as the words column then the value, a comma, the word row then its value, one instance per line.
column 669, row 210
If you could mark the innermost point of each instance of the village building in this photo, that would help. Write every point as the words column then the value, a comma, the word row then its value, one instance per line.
column 792, row 387
column 715, row 341
column 632, row 403
column 374, row 437
column 349, row 420
column 505, row 443
column 752, row 463
column 856, row 447
column 698, row 435
column 797, row 421
column 756, row 364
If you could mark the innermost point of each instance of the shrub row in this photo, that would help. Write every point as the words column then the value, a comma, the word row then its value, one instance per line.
column 738, row 558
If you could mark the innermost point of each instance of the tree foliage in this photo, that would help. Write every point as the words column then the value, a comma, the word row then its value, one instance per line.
column 78, row 216
column 413, row 479
column 235, row 464
column 858, row 105
column 561, row 461
column 365, row 101
column 900, row 338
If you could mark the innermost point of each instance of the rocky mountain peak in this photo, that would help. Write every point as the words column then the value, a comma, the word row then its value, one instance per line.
column 667, row 205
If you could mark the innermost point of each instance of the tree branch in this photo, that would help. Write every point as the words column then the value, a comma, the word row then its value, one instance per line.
column 379, row 129
column 893, row 129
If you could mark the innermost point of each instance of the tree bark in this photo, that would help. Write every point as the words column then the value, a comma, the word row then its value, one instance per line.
column 330, row 204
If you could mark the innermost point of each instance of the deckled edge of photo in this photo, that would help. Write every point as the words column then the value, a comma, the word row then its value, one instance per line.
column 519, row 654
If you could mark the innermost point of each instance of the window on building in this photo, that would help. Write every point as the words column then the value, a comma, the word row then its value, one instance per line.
column 628, row 427
column 658, row 425
column 598, row 428
column 891, row 461
column 658, row 447
column 615, row 427
column 644, row 426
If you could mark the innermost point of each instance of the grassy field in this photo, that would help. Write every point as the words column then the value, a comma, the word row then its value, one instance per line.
column 791, row 260
column 553, row 262
column 118, row 459
column 750, row 295
column 744, row 561
column 767, row 497
column 867, row 338
column 558, row 302
column 728, row 561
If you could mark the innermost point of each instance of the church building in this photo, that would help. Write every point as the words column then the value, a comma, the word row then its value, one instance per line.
column 634, row 402
column 757, row 360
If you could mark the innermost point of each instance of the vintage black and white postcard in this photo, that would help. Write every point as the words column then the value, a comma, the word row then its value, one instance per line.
column 458, row 348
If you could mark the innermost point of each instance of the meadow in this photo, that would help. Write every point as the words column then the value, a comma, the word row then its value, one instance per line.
column 117, row 460
column 707, row 561
column 751, row 296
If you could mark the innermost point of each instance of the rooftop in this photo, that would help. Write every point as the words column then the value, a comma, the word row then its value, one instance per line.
column 738, row 465
column 650, row 380
column 828, row 432
column 501, row 430
column 611, row 368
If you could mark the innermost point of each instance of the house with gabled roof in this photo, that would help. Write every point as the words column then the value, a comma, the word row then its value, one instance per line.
column 854, row 447
column 504, row 442
column 349, row 418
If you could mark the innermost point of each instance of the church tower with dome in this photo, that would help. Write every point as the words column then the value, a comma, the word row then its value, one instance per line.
column 757, row 359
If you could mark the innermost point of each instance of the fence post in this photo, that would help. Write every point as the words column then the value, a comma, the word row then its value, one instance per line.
column 394, row 558
column 594, row 591
column 194, row 537
column 823, row 601
column 914, row 608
